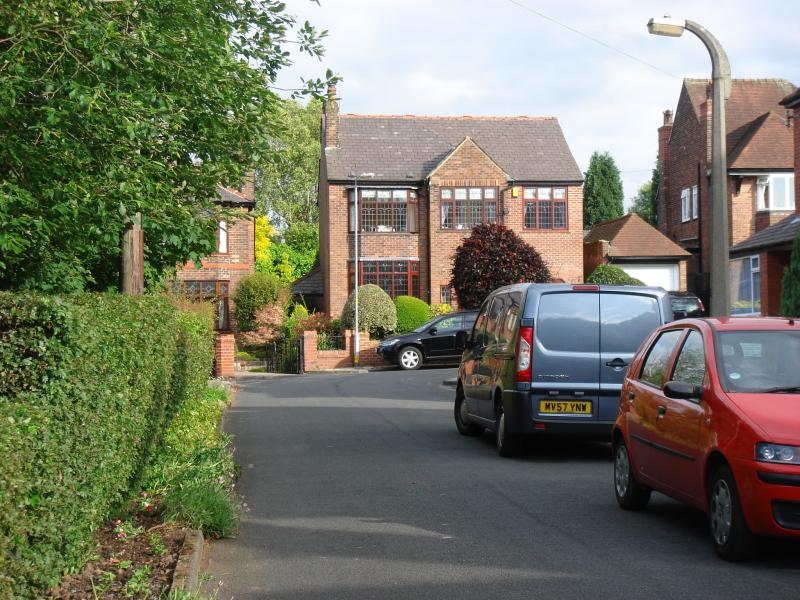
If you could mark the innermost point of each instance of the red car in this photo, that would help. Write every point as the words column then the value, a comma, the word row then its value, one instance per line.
column 710, row 415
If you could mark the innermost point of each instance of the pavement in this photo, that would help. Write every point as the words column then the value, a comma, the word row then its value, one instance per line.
column 360, row 487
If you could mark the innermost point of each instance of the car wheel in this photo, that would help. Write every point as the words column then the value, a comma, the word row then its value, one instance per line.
column 409, row 358
column 463, row 424
column 631, row 495
column 507, row 445
column 732, row 537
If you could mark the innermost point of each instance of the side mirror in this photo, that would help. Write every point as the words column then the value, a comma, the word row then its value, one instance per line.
column 433, row 330
column 683, row 391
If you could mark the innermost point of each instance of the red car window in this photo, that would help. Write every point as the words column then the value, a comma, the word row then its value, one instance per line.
column 690, row 367
column 657, row 361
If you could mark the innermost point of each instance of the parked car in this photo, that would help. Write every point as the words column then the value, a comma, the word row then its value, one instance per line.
column 435, row 341
column 549, row 359
column 686, row 304
column 710, row 415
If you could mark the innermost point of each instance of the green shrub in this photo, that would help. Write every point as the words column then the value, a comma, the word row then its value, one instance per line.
column 790, row 294
column 376, row 311
column 253, row 293
column 411, row 313
column 88, row 385
column 439, row 309
column 292, row 323
column 611, row 275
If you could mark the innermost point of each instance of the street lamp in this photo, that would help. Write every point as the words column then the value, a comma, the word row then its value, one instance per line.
column 721, row 78
column 357, row 227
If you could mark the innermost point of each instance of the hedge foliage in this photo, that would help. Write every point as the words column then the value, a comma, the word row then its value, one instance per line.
column 88, row 384
column 376, row 311
column 439, row 309
column 411, row 313
column 253, row 293
column 611, row 275
column 790, row 293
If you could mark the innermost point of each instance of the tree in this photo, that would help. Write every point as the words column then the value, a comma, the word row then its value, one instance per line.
column 491, row 257
column 376, row 311
column 112, row 108
column 790, row 295
column 602, row 191
column 645, row 203
column 291, row 255
column 288, row 174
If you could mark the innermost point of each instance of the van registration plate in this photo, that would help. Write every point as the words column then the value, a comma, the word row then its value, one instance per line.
column 564, row 407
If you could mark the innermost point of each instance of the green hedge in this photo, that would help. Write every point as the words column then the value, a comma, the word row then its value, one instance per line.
column 611, row 275
column 411, row 313
column 87, row 386
column 376, row 311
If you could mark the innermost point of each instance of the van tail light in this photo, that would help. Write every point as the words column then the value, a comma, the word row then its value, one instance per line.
column 524, row 354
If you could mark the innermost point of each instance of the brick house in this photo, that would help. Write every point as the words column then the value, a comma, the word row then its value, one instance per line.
column 433, row 178
column 234, row 259
column 639, row 249
column 760, row 179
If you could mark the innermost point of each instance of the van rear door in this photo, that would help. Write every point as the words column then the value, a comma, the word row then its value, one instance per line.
column 565, row 369
column 626, row 319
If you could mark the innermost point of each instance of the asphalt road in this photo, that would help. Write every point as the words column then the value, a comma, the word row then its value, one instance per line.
column 359, row 486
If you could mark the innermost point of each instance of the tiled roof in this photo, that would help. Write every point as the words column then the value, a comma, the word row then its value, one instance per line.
column 783, row 232
column 408, row 147
column 755, row 139
column 792, row 100
column 229, row 196
column 632, row 237
column 309, row 285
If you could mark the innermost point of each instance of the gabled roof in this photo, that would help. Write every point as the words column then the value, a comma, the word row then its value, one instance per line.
column 467, row 141
column 632, row 237
column 310, row 284
column 409, row 147
column 783, row 232
column 748, row 121
column 229, row 196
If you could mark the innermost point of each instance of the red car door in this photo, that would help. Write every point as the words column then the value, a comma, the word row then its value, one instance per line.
column 644, row 397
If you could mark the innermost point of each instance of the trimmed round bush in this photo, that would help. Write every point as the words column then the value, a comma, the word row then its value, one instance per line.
column 438, row 309
column 411, row 313
column 376, row 311
column 253, row 293
column 611, row 275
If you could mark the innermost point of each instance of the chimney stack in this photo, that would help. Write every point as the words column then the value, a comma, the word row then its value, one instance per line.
column 664, row 133
column 330, row 112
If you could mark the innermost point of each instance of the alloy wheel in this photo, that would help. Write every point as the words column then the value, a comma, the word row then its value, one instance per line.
column 622, row 470
column 409, row 359
column 721, row 512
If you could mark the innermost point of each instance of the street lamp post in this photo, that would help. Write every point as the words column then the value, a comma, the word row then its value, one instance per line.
column 721, row 78
column 356, row 345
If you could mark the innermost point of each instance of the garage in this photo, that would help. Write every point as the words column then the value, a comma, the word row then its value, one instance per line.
column 661, row 275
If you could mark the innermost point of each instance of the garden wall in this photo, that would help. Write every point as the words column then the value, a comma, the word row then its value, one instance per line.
column 317, row 360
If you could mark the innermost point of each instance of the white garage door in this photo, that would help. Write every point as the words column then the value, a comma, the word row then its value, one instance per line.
column 661, row 275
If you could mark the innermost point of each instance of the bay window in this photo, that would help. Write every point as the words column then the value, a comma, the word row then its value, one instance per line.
column 214, row 290
column 463, row 208
column 395, row 277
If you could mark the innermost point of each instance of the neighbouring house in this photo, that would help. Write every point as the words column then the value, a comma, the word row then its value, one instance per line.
column 761, row 181
column 234, row 259
column 309, row 290
column 637, row 248
column 424, row 182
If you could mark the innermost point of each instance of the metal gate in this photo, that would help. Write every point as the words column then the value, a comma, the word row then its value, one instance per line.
column 284, row 355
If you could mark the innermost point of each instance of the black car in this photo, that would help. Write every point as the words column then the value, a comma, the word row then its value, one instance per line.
column 435, row 341
column 686, row 304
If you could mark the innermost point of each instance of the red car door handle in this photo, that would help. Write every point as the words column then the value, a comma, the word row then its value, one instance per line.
column 662, row 410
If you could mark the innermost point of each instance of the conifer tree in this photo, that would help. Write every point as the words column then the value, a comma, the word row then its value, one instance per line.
column 602, row 191
column 790, row 297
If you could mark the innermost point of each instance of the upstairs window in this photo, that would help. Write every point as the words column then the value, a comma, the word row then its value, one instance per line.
column 545, row 207
column 385, row 210
column 775, row 191
column 222, row 237
column 695, row 202
column 463, row 208
column 686, row 204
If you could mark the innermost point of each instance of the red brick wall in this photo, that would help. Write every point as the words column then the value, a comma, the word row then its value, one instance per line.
column 224, row 355
column 772, row 265
column 664, row 133
column 316, row 360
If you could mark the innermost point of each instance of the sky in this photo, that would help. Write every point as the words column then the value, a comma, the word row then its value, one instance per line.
column 471, row 57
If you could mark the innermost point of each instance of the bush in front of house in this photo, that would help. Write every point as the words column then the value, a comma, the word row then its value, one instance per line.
column 411, row 313
column 491, row 257
column 253, row 294
column 436, row 310
column 88, row 385
column 790, row 294
column 376, row 311
column 611, row 275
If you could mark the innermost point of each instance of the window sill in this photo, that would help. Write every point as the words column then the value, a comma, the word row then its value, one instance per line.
column 775, row 210
column 548, row 230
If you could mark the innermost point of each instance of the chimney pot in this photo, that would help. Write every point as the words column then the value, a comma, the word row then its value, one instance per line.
column 667, row 117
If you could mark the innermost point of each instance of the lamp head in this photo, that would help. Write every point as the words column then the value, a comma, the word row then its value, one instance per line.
column 666, row 26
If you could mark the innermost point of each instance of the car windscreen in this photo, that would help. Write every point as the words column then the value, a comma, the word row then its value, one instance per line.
column 685, row 304
column 759, row 361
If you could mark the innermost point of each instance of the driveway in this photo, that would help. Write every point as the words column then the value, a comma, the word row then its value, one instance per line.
column 358, row 486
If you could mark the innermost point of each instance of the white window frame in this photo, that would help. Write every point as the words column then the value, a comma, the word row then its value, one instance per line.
column 755, row 290
column 767, row 181
column 695, row 202
column 686, row 205
column 222, row 237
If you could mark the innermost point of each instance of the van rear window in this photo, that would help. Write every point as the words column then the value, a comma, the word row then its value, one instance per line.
column 626, row 320
column 569, row 322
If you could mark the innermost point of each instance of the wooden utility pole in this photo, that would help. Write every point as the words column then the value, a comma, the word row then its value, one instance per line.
column 131, row 272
